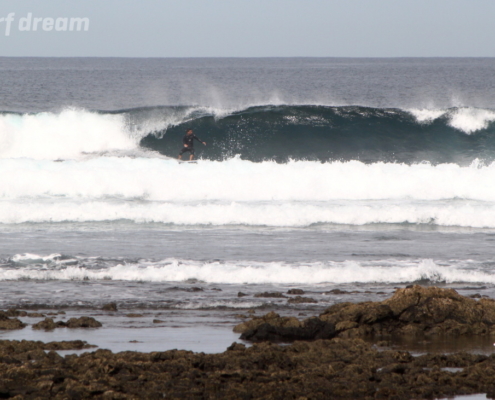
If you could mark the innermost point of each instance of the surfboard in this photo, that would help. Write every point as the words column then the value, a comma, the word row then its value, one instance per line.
column 188, row 161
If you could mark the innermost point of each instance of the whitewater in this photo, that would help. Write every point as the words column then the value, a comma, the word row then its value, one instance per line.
column 308, row 181
column 300, row 193
column 82, row 166
column 56, row 267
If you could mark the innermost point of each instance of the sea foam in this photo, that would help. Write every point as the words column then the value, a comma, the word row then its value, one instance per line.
column 246, row 272
column 234, row 192
column 466, row 119
column 68, row 134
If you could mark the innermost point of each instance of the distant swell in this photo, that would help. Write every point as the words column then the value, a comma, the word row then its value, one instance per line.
column 259, row 133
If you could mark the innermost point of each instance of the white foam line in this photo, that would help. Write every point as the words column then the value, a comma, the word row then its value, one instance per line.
column 261, row 273
column 466, row 119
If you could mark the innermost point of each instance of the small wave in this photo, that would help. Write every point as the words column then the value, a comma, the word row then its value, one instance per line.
column 249, row 214
column 208, row 305
column 28, row 258
column 246, row 272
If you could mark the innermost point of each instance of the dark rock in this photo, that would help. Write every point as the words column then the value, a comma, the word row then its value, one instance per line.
column 240, row 294
column 277, row 295
column 28, row 346
column 415, row 310
column 67, row 345
column 195, row 289
column 271, row 318
column 322, row 369
column 133, row 315
column 157, row 321
column 37, row 315
column 110, row 307
column 48, row 324
column 337, row 291
column 418, row 311
column 83, row 322
column 7, row 323
column 313, row 328
column 300, row 299
column 295, row 291
column 12, row 312
column 236, row 347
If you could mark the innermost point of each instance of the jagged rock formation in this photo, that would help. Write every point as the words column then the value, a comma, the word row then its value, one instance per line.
column 416, row 310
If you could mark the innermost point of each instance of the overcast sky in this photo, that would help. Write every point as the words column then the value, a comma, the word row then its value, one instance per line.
column 253, row 28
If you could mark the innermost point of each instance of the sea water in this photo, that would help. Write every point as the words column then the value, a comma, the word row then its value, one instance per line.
column 361, row 175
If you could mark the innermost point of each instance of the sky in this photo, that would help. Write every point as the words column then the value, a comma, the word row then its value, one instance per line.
column 249, row 28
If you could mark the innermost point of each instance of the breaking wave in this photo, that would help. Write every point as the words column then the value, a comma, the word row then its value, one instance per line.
column 274, row 132
column 57, row 267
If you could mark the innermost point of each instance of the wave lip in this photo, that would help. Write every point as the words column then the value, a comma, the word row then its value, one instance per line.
column 465, row 119
column 271, row 132
column 246, row 272
column 309, row 132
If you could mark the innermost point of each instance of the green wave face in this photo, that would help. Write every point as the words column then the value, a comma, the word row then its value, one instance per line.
column 284, row 133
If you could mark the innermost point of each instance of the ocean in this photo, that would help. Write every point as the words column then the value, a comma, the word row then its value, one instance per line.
column 346, row 178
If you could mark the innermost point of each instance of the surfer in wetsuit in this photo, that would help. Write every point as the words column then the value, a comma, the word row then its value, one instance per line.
column 188, row 142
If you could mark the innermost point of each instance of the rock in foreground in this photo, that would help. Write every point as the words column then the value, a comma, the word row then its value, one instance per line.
column 416, row 310
column 82, row 322
column 7, row 323
column 324, row 369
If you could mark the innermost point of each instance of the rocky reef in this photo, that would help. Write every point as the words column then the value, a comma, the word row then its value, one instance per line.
column 416, row 310
column 322, row 369
column 9, row 323
column 82, row 322
column 328, row 358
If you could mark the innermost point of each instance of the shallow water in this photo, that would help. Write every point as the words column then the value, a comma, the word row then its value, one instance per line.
column 208, row 339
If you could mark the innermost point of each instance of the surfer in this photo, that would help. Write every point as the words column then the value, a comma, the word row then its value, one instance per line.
column 188, row 142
